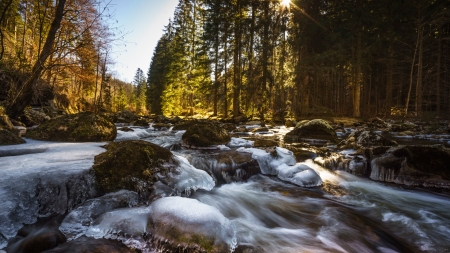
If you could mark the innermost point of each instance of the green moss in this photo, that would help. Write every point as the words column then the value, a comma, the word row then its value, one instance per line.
column 9, row 138
column 126, row 162
column 205, row 134
column 312, row 129
column 82, row 127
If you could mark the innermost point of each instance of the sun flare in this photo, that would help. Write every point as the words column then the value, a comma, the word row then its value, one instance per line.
column 285, row 3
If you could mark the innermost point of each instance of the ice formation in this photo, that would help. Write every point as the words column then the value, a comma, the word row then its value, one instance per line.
column 190, row 178
column 239, row 142
column 282, row 163
column 78, row 221
column 41, row 179
column 183, row 222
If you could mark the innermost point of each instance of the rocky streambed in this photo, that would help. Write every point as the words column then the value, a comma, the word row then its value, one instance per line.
column 250, row 188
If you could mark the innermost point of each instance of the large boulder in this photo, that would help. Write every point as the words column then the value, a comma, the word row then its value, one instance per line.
column 205, row 135
column 132, row 165
column 8, row 135
column 312, row 129
column 81, row 127
column 427, row 166
column 361, row 139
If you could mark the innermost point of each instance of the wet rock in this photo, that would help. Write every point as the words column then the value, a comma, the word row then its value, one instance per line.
column 33, row 116
column 144, row 122
column 235, row 166
column 161, row 126
column 333, row 189
column 126, row 129
column 81, row 127
column 401, row 127
column 175, row 120
column 260, row 130
column 312, row 129
column 205, row 135
column 132, row 165
column 76, row 223
column 229, row 126
column 37, row 240
column 427, row 166
column 8, row 137
column 125, row 116
column 360, row 139
column 87, row 244
column 377, row 123
column 353, row 163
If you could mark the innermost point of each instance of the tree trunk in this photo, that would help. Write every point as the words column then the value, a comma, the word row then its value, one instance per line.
column 1, row 28
column 419, row 95
column 236, row 61
column 438, row 72
column 358, row 81
column 389, row 80
column 25, row 93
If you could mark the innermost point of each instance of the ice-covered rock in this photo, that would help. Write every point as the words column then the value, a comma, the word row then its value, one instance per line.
column 138, row 165
column 189, row 178
column 180, row 223
column 282, row 163
column 78, row 221
column 299, row 174
column 52, row 181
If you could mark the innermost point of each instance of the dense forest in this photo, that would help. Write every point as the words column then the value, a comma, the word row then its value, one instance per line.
column 267, row 59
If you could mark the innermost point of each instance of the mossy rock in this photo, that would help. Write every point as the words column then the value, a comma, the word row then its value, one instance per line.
column 365, row 139
column 8, row 137
column 205, row 135
column 312, row 129
column 406, row 126
column 81, row 127
column 5, row 123
column 131, row 165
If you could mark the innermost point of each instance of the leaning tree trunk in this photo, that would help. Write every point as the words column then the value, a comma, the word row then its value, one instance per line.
column 25, row 92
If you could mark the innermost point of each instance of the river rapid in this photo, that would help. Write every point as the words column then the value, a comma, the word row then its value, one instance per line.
column 346, row 213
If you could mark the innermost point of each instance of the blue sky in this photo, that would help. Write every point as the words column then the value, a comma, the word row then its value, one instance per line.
column 144, row 21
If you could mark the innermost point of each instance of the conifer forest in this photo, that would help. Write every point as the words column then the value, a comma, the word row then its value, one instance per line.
column 266, row 59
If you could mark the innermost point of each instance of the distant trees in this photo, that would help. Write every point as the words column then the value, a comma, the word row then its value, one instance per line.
column 353, row 58
column 61, row 46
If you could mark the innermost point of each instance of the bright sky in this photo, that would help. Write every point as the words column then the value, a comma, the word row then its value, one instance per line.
column 144, row 20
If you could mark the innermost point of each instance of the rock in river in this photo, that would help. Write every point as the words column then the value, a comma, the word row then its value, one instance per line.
column 312, row 129
column 205, row 135
column 148, row 169
column 81, row 127
column 427, row 166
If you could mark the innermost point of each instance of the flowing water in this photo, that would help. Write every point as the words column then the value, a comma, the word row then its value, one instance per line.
column 272, row 214
column 359, row 216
